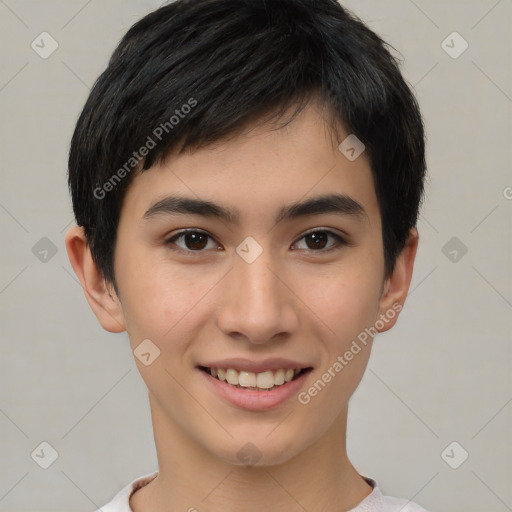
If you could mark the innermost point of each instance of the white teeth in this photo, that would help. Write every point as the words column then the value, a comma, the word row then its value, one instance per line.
column 232, row 377
column 247, row 379
column 279, row 377
column 264, row 380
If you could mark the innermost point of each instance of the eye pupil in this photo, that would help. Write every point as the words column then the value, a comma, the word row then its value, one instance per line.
column 319, row 240
column 196, row 241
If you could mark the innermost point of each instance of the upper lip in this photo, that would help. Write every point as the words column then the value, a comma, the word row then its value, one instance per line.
column 248, row 365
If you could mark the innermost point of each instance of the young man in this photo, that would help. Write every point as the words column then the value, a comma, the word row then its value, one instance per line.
column 246, row 177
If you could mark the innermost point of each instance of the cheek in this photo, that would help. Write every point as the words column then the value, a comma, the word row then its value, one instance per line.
column 153, row 306
column 348, row 304
column 345, row 299
column 160, row 301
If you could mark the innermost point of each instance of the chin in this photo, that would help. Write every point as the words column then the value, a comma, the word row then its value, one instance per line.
column 262, row 450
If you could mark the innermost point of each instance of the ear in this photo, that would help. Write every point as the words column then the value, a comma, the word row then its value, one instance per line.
column 397, row 284
column 100, row 296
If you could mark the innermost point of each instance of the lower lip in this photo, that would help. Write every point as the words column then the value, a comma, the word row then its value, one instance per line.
column 252, row 400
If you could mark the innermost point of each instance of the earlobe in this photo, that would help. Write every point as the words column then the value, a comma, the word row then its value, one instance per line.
column 397, row 285
column 104, row 302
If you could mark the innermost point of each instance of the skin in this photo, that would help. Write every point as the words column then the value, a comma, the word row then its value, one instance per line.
column 294, row 301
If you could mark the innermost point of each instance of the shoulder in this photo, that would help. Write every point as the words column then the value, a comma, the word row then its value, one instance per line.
column 121, row 501
column 377, row 502
column 391, row 504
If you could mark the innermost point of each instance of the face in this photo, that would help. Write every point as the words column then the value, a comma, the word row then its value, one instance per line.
column 252, row 283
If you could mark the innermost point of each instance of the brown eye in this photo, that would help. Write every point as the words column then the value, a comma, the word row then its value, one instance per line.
column 195, row 241
column 318, row 241
column 191, row 241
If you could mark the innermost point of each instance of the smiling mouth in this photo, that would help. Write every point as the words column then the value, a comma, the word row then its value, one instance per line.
column 264, row 381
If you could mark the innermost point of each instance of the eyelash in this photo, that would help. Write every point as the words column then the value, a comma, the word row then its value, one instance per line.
column 340, row 241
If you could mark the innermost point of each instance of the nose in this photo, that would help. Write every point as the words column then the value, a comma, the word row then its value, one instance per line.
column 257, row 303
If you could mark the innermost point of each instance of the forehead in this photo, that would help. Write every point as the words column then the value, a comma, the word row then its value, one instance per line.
column 260, row 170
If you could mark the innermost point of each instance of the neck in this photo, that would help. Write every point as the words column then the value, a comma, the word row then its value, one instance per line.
column 190, row 478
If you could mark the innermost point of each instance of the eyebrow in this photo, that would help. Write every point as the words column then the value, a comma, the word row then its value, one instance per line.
column 332, row 203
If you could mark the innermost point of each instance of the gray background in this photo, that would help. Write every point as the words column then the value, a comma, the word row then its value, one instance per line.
column 442, row 375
